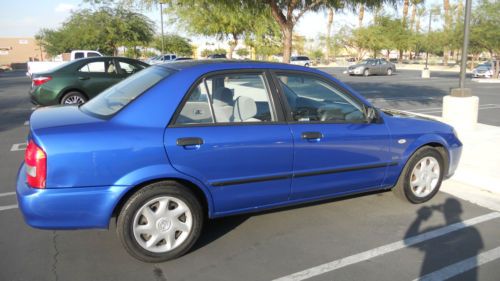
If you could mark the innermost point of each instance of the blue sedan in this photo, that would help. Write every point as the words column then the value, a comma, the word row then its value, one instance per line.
column 180, row 142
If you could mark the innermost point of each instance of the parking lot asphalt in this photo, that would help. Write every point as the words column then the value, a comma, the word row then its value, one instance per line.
column 368, row 237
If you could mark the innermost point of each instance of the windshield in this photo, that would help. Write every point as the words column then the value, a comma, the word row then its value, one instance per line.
column 116, row 97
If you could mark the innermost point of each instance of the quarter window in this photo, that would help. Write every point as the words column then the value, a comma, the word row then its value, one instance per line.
column 312, row 99
column 228, row 98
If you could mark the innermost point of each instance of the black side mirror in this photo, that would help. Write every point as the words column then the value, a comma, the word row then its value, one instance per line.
column 370, row 114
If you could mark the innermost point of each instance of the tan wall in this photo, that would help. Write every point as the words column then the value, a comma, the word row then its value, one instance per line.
column 18, row 50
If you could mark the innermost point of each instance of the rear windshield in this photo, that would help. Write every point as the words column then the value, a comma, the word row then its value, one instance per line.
column 118, row 96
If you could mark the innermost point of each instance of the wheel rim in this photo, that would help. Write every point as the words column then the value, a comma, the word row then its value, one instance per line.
column 162, row 224
column 425, row 176
column 389, row 71
column 74, row 99
column 367, row 73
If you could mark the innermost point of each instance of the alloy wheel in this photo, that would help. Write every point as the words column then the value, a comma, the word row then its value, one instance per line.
column 425, row 176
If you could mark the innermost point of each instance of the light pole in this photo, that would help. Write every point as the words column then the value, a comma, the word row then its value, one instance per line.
column 428, row 35
column 463, row 62
column 161, row 19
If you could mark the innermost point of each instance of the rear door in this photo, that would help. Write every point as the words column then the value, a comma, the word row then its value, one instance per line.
column 229, row 134
column 97, row 75
column 336, row 150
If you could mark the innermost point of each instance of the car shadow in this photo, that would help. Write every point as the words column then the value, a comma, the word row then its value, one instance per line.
column 217, row 228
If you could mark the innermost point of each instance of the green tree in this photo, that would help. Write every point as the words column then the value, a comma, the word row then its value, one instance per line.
column 207, row 52
column 242, row 52
column 174, row 44
column 485, row 29
column 222, row 19
column 103, row 29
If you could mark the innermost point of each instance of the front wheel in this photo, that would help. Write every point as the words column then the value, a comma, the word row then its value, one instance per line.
column 366, row 72
column 160, row 222
column 421, row 178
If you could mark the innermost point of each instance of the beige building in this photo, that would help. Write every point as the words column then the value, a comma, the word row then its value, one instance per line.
column 19, row 50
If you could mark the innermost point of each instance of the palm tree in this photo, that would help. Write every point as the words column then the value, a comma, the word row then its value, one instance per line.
column 329, row 24
column 361, row 15
column 415, row 4
column 447, row 27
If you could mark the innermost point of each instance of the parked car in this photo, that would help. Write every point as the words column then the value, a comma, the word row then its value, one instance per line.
column 217, row 56
column 180, row 142
column 78, row 81
column 162, row 58
column 300, row 60
column 44, row 66
column 372, row 66
column 484, row 70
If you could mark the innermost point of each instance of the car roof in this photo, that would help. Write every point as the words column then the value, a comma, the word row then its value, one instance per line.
column 213, row 65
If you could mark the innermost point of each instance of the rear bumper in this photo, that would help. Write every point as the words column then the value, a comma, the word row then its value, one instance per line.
column 67, row 208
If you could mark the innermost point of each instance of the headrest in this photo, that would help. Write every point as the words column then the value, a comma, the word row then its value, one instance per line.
column 244, row 108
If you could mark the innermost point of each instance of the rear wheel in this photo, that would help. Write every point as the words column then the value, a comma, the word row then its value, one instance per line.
column 160, row 222
column 389, row 71
column 73, row 97
column 421, row 178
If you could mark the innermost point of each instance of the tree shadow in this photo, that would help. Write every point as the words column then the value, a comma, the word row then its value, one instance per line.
column 449, row 249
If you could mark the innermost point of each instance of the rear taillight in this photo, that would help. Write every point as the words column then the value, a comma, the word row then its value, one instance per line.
column 41, row 80
column 36, row 165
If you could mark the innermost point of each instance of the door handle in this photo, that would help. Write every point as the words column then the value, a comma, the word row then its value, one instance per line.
column 312, row 135
column 189, row 141
column 83, row 78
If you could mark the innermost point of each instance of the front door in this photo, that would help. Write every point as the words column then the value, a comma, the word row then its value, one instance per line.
column 336, row 150
column 229, row 136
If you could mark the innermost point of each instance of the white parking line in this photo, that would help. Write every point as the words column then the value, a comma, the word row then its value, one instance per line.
column 19, row 146
column 382, row 250
column 7, row 194
column 8, row 207
column 462, row 266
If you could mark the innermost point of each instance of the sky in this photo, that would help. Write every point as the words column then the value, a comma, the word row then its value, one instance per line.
column 16, row 20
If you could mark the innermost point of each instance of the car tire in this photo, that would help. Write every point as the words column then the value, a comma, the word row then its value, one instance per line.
column 167, row 212
column 389, row 71
column 421, row 177
column 73, row 97
column 306, row 65
column 366, row 72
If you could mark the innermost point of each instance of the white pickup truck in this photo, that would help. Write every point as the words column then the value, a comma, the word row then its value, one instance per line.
column 42, row 66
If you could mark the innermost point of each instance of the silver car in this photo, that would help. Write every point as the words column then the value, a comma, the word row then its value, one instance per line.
column 300, row 60
column 484, row 70
column 372, row 67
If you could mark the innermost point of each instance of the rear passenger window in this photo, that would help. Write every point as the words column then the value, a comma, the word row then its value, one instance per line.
column 229, row 98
